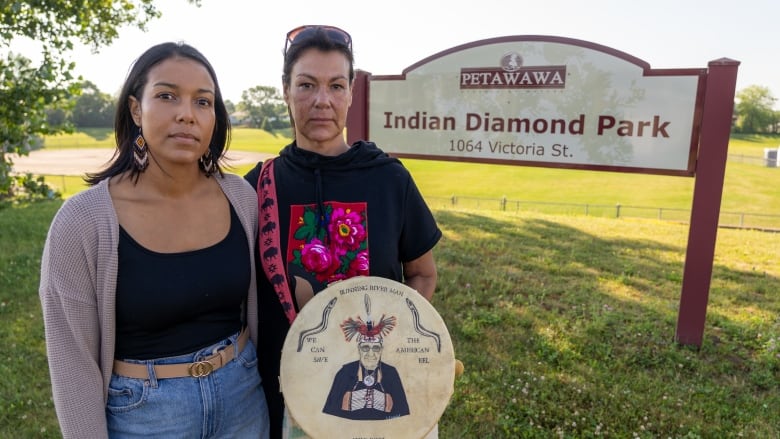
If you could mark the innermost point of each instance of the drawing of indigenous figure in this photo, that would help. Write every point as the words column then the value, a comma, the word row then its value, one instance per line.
column 367, row 389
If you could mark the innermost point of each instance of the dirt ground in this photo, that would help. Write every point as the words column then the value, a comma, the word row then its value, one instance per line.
column 80, row 161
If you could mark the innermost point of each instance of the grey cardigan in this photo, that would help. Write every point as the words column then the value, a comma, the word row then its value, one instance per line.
column 77, row 292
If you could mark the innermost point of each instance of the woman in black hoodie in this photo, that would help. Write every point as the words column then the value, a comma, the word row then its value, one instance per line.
column 328, row 210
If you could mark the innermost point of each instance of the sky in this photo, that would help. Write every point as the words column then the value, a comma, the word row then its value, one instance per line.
column 244, row 39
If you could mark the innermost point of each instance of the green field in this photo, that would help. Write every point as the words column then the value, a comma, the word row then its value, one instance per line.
column 242, row 139
column 565, row 323
column 565, row 326
column 748, row 188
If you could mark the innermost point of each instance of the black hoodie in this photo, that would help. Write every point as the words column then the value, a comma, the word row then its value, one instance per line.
column 358, row 213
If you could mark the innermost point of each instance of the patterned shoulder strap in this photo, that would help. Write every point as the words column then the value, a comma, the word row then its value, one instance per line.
column 268, row 238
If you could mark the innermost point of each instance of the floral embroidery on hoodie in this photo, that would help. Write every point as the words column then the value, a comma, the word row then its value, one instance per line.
column 331, row 250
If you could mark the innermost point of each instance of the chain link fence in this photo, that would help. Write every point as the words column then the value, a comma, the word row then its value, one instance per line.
column 744, row 220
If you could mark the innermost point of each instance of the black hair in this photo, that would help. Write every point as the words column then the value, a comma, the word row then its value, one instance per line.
column 320, row 40
column 125, row 130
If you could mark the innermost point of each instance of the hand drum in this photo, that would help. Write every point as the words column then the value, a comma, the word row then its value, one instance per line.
column 367, row 357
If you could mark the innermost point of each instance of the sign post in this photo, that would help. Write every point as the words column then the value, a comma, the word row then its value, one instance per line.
column 707, row 192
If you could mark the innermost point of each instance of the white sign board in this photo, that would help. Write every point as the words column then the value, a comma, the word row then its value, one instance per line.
column 540, row 101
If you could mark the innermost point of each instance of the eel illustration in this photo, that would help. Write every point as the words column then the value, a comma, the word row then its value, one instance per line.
column 319, row 328
column 420, row 328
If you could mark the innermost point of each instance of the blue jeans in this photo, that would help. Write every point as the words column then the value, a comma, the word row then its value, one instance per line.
column 228, row 403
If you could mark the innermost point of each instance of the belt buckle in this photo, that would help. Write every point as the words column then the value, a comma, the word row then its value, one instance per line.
column 200, row 369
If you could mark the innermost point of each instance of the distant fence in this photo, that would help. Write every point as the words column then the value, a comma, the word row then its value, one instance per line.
column 769, row 162
column 744, row 220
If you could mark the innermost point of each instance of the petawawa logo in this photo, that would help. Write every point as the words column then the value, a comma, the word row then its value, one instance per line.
column 512, row 74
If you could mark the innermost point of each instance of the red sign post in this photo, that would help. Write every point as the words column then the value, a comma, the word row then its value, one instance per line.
column 707, row 192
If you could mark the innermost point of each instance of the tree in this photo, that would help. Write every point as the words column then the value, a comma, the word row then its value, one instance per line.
column 754, row 110
column 57, row 116
column 774, row 123
column 230, row 106
column 27, row 92
column 93, row 108
column 264, row 108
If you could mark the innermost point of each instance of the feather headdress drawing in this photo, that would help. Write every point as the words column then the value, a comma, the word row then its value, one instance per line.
column 368, row 329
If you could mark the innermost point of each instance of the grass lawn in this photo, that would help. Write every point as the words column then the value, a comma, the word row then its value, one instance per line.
column 565, row 325
column 747, row 187
column 243, row 139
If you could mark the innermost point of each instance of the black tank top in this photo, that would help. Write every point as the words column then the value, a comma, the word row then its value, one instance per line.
column 175, row 303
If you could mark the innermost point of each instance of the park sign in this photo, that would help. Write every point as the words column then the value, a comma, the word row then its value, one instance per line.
column 540, row 101
column 564, row 103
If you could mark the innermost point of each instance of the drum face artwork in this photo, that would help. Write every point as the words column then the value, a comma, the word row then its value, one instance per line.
column 367, row 357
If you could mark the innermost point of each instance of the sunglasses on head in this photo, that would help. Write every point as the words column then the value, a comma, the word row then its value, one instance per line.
column 302, row 32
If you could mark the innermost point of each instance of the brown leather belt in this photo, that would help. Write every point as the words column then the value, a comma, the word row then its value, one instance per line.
column 198, row 369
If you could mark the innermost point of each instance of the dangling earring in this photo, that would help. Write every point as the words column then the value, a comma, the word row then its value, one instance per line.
column 140, row 152
column 207, row 163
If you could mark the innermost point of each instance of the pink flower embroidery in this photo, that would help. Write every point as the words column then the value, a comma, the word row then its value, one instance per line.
column 335, row 250
column 346, row 229
column 359, row 265
column 315, row 256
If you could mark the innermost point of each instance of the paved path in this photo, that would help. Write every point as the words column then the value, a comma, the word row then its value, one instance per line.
column 80, row 161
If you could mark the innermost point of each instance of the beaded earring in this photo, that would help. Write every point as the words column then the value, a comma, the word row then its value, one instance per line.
column 206, row 162
column 140, row 152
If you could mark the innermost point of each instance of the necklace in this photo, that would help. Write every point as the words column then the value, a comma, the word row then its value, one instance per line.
column 369, row 380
